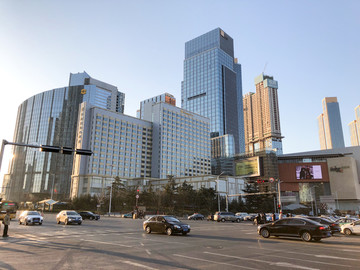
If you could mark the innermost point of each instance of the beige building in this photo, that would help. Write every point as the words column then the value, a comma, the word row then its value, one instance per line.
column 354, row 127
column 261, row 117
column 329, row 122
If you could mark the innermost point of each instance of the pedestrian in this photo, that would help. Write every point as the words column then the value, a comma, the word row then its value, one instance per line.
column 6, row 223
column 280, row 215
column 273, row 217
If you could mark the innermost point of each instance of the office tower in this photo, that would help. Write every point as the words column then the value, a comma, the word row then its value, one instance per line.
column 50, row 118
column 121, row 145
column 355, row 128
column 181, row 141
column 212, row 85
column 329, row 122
column 262, row 118
column 166, row 97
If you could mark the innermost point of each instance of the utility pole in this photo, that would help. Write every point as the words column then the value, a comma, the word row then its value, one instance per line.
column 110, row 199
column 217, row 188
column 279, row 194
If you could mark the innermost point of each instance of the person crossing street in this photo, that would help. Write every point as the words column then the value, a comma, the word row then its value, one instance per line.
column 6, row 223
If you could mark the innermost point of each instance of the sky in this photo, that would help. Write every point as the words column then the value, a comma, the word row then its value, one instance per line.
column 312, row 48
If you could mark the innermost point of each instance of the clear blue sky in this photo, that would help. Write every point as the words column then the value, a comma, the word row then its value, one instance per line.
column 312, row 48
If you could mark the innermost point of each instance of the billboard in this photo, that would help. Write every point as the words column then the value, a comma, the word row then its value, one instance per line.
column 248, row 167
column 308, row 172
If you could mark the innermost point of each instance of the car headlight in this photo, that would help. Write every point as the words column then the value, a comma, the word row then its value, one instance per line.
column 177, row 226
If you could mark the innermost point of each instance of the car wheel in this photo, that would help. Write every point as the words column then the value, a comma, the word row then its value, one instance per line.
column 223, row 220
column 58, row 221
column 148, row 229
column 317, row 239
column 92, row 218
column 306, row 236
column 238, row 220
column 265, row 233
column 66, row 222
column 40, row 223
column 347, row 231
column 169, row 231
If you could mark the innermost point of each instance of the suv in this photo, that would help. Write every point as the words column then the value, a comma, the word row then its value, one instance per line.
column 68, row 217
column 226, row 216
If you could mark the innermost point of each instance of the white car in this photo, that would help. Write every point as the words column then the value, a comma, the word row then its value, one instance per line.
column 68, row 217
column 30, row 217
column 351, row 228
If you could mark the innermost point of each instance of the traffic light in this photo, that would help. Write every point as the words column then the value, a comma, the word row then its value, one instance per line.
column 84, row 152
column 66, row 150
column 49, row 148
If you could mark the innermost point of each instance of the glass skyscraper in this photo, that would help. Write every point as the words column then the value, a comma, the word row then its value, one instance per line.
column 50, row 118
column 212, row 85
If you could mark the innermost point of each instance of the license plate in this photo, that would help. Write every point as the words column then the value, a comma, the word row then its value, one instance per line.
column 185, row 230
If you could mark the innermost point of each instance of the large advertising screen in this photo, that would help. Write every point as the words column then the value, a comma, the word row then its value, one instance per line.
column 308, row 172
column 248, row 167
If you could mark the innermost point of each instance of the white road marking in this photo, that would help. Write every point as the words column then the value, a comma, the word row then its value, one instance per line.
column 338, row 258
column 214, row 262
column 138, row 265
column 148, row 251
column 106, row 243
column 350, row 250
column 282, row 264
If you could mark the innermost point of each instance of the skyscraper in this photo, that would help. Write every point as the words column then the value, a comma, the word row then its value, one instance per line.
column 262, row 118
column 51, row 118
column 329, row 122
column 355, row 128
column 212, row 85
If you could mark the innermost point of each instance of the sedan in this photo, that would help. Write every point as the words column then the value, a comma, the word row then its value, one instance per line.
column 295, row 227
column 30, row 217
column 196, row 216
column 351, row 228
column 165, row 224
column 89, row 215
column 68, row 217
column 334, row 227
column 345, row 220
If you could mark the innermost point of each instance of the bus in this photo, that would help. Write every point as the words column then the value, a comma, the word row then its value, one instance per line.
column 8, row 205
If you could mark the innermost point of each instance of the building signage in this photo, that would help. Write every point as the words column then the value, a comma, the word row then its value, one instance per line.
column 338, row 169
column 248, row 167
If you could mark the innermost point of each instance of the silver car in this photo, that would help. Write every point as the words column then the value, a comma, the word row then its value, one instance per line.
column 226, row 216
column 68, row 217
column 30, row 217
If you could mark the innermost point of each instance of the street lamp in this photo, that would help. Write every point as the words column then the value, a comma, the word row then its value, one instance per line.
column 217, row 189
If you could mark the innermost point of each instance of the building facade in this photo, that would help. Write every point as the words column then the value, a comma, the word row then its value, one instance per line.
column 354, row 127
column 262, row 118
column 50, row 118
column 329, row 123
column 166, row 97
column 212, row 85
column 181, row 141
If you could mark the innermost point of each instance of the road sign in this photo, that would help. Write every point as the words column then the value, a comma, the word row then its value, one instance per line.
column 137, row 196
column 271, row 179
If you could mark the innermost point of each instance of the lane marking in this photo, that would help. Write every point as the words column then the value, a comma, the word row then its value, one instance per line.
column 209, row 261
column 139, row 265
column 350, row 250
column 282, row 264
column 114, row 244
column 337, row 258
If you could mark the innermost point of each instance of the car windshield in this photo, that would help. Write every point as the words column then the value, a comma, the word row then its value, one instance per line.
column 171, row 219
column 71, row 213
column 91, row 213
column 33, row 213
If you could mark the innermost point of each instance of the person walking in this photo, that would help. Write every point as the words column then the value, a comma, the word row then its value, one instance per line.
column 6, row 223
column 281, row 215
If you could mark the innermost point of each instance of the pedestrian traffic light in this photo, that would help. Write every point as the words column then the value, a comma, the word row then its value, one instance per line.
column 49, row 148
column 84, row 152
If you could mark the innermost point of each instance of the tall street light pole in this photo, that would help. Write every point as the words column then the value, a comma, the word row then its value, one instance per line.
column 217, row 188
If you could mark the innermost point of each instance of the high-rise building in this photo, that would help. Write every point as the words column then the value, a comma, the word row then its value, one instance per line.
column 50, row 118
column 355, row 128
column 181, row 141
column 166, row 97
column 212, row 85
column 329, row 122
column 262, row 118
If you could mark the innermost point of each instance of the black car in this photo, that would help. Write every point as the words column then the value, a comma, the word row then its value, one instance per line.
column 295, row 227
column 196, row 216
column 165, row 224
column 334, row 226
column 89, row 215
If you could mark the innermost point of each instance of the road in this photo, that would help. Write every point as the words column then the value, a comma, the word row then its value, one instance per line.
column 118, row 243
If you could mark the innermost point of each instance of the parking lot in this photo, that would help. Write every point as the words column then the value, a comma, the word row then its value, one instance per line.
column 119, row 243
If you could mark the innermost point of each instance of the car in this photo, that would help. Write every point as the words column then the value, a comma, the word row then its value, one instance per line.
column 196, row 216
column 30, row 217
column 250, row 217
column 345, row 220
column 89, row 215
column 165, row 224
column 68, row 217
column 304, row 228
column 334, row 227
column 127, row 215
column 242, row 215
column 226, row 216
column 351, row 228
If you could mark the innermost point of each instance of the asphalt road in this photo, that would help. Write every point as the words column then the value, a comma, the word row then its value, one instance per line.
column 118, row 243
